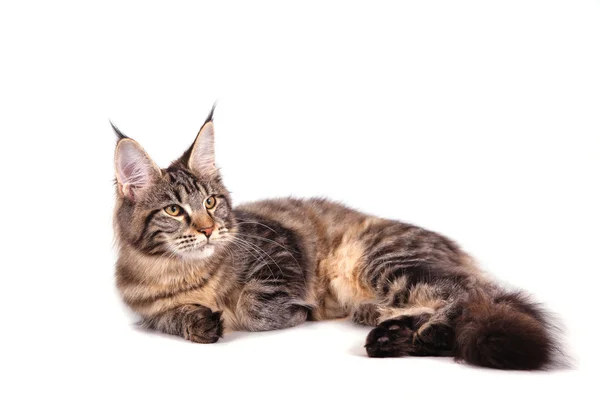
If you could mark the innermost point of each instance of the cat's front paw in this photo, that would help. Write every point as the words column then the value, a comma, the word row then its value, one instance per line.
column 202, row 325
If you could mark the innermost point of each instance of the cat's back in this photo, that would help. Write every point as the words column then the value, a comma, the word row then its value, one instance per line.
column 311, row 218
column 287, row 210
column 318, row 225
column 323, row 227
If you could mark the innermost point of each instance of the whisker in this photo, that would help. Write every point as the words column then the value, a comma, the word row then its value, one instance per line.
column 242, row 247
column 267, row 254
column 257, row 223
column 258, row 249
column 280, row 245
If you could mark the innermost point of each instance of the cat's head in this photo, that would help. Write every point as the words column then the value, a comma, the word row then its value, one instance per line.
column 183, row 211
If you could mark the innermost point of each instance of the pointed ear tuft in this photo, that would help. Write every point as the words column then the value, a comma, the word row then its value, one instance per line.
column 120, row 135
column 202, row 157
column 134, row 169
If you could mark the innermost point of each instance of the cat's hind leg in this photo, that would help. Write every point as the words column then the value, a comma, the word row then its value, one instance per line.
column 414, row 318
column 416, row 277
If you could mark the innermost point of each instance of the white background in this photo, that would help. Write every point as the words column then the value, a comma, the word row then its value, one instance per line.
column 476, row 119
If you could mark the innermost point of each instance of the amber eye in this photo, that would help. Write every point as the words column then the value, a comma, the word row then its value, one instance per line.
column 173, row 210
column 211, row 202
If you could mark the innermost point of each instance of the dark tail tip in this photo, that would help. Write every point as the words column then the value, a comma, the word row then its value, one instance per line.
column 505, row 332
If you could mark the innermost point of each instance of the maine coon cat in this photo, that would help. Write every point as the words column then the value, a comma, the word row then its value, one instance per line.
column 192, row 265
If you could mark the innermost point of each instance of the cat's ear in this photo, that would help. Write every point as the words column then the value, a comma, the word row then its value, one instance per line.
column 134, row 169
column 202, row 156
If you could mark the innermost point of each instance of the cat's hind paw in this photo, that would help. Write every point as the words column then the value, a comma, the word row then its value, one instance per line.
column 391, row 338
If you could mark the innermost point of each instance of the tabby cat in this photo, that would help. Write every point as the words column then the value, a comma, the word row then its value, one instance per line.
column 192, row 265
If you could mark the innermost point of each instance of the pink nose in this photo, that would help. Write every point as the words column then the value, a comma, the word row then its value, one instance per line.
column 207, row 231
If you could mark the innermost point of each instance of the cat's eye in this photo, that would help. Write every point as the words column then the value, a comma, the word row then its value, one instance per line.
column 210, row 202
column 173, row 210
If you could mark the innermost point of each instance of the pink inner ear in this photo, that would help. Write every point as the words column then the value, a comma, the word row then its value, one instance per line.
column 133, row 167
column 202, row 159
column 134, row 174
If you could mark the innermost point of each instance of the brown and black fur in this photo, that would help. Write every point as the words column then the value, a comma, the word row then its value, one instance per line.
column 276, row 263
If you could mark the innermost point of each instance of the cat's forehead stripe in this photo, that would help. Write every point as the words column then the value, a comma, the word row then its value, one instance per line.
column 178, row 194
column 186, row 182
column 181, row 178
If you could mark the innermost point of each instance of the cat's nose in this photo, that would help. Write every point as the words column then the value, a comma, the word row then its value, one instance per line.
column 207, row 231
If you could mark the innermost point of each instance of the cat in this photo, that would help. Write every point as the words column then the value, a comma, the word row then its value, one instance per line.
column 192, row 265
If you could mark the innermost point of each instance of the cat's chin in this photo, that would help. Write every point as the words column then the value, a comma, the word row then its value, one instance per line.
column 205, row 252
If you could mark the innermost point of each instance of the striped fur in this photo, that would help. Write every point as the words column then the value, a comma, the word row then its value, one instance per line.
column 274, row 264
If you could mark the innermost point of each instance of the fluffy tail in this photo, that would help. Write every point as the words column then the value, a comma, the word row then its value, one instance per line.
column 505, row 331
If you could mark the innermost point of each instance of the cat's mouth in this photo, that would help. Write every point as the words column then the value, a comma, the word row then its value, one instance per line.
column 196, row 248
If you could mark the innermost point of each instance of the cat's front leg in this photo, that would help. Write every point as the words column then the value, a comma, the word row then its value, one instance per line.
column 191, row 321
